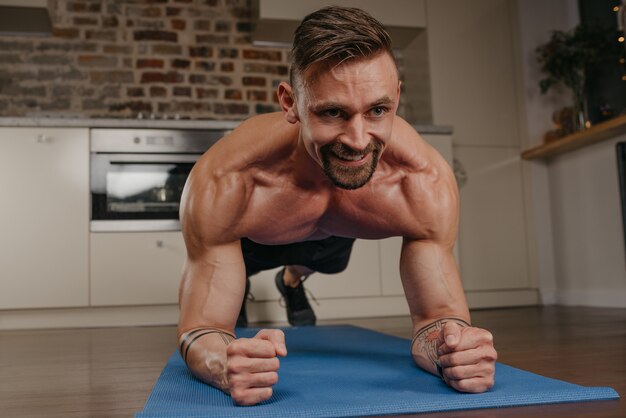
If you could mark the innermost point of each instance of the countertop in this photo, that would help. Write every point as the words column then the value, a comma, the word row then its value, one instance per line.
column 597, row 133
column 116, row 123
column 58, row 122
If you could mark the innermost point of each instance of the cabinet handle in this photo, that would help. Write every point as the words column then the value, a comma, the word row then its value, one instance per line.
column 160, row 243
column 44, row 139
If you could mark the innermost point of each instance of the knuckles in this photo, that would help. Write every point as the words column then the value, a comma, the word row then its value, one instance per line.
column 491, row 355
column 272, row 379
column 235, row 347
column 235, row 381
column 473, row 387
column 272, row 334
column 244, row 397
column 452, row 373
column 487, row 337
column 235, row 367
column 238, row 395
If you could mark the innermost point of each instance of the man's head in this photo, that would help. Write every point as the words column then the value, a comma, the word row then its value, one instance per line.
column 344, row 92
column 333, row 35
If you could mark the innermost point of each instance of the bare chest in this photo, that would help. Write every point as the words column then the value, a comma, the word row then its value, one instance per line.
column 278, row 216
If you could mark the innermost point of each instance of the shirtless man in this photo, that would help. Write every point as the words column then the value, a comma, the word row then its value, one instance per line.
column 336, row 161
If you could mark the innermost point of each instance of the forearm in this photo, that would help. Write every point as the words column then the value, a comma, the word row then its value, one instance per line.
column 204, row 352
column 425, row 343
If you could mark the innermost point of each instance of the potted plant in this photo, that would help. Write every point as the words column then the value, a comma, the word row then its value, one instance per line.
column 569, row 57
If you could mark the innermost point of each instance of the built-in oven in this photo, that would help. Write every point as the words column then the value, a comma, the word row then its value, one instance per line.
column 138, row 175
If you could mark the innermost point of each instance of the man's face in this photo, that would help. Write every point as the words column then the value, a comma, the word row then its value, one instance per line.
column 346, row 114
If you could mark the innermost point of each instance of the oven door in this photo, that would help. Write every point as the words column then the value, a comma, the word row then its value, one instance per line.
column 137, row 192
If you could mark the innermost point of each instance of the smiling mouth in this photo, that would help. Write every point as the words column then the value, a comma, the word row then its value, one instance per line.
column 356, row 159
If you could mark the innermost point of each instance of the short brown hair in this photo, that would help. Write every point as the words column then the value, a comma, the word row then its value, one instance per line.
column 336, row 34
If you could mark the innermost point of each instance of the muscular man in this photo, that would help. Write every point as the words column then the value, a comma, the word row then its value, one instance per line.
column 336, row 161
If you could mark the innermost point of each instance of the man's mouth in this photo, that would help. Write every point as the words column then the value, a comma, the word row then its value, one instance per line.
column 352, row 160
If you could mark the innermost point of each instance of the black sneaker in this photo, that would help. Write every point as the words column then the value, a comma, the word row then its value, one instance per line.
column 299, row 311
column 242, row 319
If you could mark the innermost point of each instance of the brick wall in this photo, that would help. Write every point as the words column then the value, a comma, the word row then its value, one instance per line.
column 191, row 59
column 119, row 58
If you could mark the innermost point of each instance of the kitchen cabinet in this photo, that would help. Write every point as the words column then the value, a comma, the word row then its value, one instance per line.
column 45, row 217
column 472, row 56
column 412, row 15
column 471, row 49
column 135, row 268
column 492, row 231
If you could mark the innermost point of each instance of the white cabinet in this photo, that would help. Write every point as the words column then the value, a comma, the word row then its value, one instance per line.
column 472, row 70
column 492, row 235
column 391, row 283
column 136, row 268
column 472, row 52
column 44, row 217
column 412, row 14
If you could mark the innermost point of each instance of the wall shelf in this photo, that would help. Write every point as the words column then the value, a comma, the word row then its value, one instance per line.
column 597, row 133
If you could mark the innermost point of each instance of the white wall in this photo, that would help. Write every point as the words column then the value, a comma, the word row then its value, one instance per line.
column 537, row 19
column 575, row 212
column 589, row 255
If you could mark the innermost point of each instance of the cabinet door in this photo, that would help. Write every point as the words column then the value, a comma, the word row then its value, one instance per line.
column 44, row 217
column 390, row 266
column 136, row 268
column 492, row 235
column 472, row 70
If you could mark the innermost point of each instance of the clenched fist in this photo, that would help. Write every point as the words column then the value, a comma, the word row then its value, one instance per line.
column 252, row 366
column 467, row 357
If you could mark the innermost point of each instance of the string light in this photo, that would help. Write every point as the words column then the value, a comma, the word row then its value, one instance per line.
column 621, row 26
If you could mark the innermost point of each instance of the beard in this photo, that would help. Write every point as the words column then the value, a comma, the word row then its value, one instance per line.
column 347, row 177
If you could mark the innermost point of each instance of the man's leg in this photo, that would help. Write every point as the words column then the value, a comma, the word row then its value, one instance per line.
column 294, row 275
column 289, row 284
column 328, row 256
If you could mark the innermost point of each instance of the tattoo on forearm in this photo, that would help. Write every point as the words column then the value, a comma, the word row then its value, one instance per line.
column 189, row 337
column 425, row 339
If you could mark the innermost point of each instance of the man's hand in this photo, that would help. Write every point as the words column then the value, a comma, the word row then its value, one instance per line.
column 467, row 357
column 252, row 366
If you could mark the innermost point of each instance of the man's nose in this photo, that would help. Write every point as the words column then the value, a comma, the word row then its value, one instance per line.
column 355, row 134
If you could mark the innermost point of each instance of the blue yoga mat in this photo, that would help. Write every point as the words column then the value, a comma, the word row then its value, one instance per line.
column 344, row 371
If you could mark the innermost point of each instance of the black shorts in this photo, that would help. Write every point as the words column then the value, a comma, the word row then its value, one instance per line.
column 327, row 256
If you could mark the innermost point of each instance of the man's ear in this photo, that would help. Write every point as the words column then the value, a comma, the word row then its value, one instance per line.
column 287, row 102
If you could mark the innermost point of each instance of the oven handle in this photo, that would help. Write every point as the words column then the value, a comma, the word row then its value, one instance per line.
column 151, row 158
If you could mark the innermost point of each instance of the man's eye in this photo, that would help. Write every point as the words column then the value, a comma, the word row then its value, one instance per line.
column 378, row 111
column 333, row 113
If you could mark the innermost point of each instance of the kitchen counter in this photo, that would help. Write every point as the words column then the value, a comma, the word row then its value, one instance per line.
column 116, row 123
column 156, row 124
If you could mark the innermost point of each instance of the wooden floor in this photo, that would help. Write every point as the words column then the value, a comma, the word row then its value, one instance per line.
column 110, row 372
